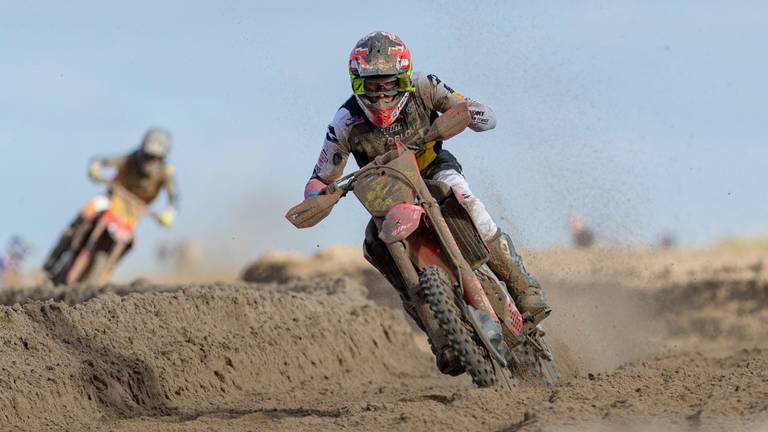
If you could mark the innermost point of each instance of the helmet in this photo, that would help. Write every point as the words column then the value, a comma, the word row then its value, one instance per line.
column 156, row 143
column 380, row 69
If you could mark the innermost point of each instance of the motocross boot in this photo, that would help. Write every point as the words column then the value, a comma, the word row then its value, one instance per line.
column 508, row 266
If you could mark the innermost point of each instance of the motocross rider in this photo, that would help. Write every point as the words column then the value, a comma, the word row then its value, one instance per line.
column 392, row 103
column 143, row 172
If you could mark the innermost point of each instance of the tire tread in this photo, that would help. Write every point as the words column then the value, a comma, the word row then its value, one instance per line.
column 437, row 294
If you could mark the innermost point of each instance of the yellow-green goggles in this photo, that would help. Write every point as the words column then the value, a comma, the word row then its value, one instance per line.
column 377, row 86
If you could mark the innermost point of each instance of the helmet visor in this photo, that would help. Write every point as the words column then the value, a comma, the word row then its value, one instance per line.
column 382, row 85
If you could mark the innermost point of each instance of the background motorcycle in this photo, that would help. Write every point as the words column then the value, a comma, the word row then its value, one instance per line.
column 99, row 239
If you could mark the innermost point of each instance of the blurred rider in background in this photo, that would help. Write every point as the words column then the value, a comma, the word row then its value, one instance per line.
column 144, row 172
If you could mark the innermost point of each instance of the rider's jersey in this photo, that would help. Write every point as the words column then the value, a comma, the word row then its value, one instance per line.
column 143, row 180
column 351, row 132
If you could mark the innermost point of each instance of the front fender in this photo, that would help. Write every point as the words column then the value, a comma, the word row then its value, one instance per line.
column 94, row 206
column 400, row 222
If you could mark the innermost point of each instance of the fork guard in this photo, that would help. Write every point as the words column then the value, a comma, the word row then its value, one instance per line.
column 401, row 221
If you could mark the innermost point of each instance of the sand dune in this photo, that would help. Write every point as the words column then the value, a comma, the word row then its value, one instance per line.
column 665, row 351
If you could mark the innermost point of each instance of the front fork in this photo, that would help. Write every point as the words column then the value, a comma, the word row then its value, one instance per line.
column 473, row 290
column 452, row 260
column 417, row 305
column 86, row 255
column 425, row 249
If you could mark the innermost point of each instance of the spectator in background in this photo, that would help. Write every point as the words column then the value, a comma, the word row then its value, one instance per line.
column 583, row 237
column 11, row 262
column 667, row 240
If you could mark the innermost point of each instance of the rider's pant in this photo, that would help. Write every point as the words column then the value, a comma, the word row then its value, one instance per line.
column 485, row 224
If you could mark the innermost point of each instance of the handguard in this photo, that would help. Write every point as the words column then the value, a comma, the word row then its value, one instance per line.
column 314, row 209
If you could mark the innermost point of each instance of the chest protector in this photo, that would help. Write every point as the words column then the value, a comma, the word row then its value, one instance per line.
column 143, row 181
column 367, row 141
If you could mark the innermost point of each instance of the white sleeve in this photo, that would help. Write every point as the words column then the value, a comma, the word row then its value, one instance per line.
column 440, row 97
column 335, row 151
column 483, row 117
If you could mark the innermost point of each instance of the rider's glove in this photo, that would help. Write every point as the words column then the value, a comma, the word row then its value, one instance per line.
column 167, row 217
column 313, row 188
column 94, row 171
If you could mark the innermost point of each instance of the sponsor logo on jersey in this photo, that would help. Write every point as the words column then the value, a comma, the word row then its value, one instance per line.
column 434, row 80
column 331, row 135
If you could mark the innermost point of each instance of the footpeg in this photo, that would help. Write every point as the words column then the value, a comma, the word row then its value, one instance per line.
column 538, row 316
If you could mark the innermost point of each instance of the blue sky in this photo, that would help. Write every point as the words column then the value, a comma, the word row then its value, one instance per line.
column 643, row 116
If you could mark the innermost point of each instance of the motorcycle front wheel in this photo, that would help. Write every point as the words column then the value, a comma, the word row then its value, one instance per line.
column 440, row 297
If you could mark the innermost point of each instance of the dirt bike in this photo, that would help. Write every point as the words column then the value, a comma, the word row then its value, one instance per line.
column 439, row 254
column 89, row 252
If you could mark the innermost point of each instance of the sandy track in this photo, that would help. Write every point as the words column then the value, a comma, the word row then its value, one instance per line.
column 190, row 352
column 677, row 392
column 319, row 355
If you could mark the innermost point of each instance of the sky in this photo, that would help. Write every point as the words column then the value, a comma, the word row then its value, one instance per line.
column 643, row 116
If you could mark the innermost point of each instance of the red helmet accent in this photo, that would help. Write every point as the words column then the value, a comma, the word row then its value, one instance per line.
column 376, row 55
column 379, row 53
column 383, row 116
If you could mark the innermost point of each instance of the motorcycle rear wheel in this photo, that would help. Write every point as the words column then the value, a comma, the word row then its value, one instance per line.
column 440, row 297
